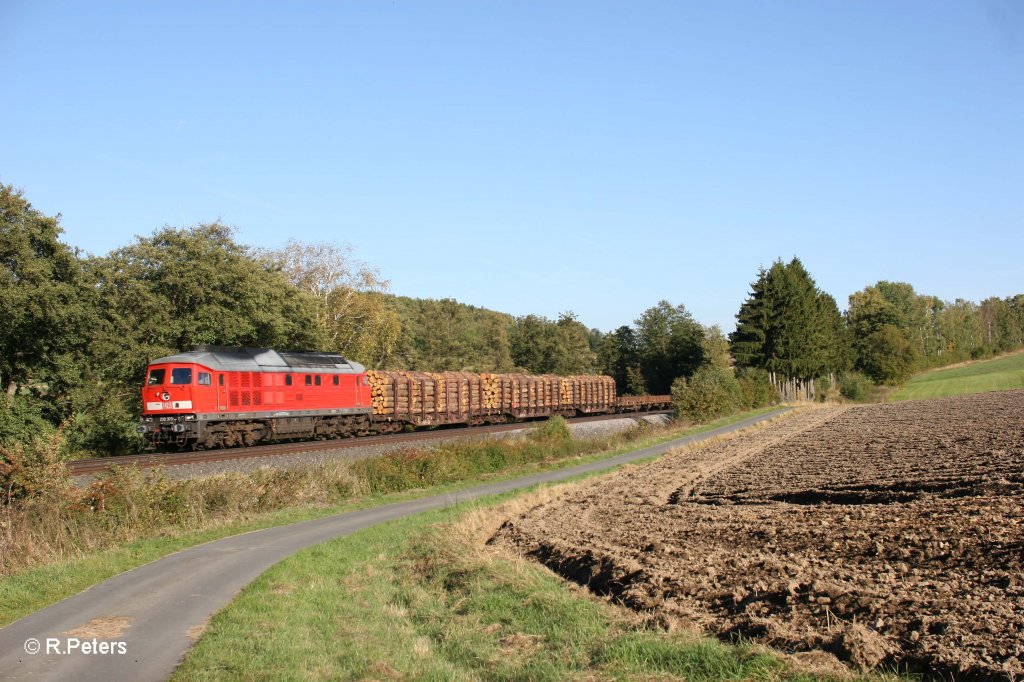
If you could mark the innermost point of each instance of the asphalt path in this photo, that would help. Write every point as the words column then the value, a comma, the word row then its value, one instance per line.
column 140, row 624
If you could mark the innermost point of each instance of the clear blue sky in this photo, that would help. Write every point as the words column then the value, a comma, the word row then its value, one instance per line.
column 540, row 156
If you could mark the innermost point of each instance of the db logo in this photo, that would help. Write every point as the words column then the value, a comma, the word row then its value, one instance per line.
column 167, row 406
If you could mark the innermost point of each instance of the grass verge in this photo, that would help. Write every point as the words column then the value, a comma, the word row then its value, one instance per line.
column 999, row 374
column 25, row 591
column 423, row 598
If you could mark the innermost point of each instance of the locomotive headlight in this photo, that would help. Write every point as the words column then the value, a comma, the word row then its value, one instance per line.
column 190, row 417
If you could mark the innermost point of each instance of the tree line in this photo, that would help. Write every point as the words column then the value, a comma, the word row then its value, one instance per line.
column 77, row 330
column 790, row 328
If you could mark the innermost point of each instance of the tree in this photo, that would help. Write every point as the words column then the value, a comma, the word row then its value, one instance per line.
column 747, row 342
column 46, row 305
column 371, row 332
column 897, row 304
column 618, row 357
column 668, row 345
column 715, row 348
column 541, row 346
column 960, row 327
column 533, row 340
column 1000, row 323
column 572, row 353
column 445, row 344
column 789, row 327
column 184, row 287
column 888, row 356
column 839, row 355
column 869, row 311
column 795, row 342
column 356, row 322
column 1015, row 324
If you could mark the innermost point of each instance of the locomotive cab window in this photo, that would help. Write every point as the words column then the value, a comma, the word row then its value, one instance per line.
column 335, row 379
column 181, row 375
column 220, row 379
column 156, row 377
column 205, row 379
column 309, row 380
column 287, row 379
column 317, row 380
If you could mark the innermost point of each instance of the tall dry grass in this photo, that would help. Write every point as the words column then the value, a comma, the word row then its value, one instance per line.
column 44, row 518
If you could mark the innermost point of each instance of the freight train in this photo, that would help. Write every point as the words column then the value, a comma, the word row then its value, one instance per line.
column 214, row 397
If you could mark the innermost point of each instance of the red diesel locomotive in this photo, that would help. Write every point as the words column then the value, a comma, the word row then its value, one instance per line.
column 222, row 397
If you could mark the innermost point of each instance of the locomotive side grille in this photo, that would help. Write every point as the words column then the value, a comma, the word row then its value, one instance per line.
column 245, row 379
column 233, row 386
column 246, row 398
column 257, row 380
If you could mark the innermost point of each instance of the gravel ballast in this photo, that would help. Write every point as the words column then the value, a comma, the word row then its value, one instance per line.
column 582, row 431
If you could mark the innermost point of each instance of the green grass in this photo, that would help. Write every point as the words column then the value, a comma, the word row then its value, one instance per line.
column 418, row 599
column 999, row 374
column 30, row 590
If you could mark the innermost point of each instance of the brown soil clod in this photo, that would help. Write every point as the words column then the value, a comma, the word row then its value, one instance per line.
column 885, row 535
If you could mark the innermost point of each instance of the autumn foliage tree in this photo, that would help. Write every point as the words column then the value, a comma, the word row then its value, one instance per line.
column 355, row 319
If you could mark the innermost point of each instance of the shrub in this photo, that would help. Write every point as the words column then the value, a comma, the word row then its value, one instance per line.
column 555, row 430
column 34, row 470
column 23, row 419
column 711, row 392
column 982, row 352
column 103, row 421
column 756, row 388
column 857, row 387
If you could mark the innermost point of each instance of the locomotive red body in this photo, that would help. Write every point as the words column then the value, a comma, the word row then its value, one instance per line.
column 220, row 397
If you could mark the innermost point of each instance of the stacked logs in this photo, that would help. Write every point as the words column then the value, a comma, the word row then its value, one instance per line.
column 442, row 397
column 493, row 391
column 408, row 392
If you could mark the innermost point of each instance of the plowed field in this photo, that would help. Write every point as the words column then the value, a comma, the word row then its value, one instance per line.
column 885, row 534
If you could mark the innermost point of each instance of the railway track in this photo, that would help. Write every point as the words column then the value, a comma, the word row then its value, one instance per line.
column 84, row 467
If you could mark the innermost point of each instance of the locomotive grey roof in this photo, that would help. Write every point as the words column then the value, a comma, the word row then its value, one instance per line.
column 223, row 359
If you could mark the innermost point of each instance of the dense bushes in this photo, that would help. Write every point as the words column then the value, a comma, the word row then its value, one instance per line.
column 857, row 387
column 22, row 418
column 756, row 388
column 714, row 391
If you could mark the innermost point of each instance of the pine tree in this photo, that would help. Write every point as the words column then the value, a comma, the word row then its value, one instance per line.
column 789, row 327
column 747, row 343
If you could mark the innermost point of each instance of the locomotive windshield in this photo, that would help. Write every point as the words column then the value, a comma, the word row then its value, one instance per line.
column 156, row 377
column 181, row 375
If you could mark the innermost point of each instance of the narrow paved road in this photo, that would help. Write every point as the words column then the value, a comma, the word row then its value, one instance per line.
column 140, row 624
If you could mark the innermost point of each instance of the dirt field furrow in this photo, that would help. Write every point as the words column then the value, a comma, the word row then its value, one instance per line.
column 884, row 534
